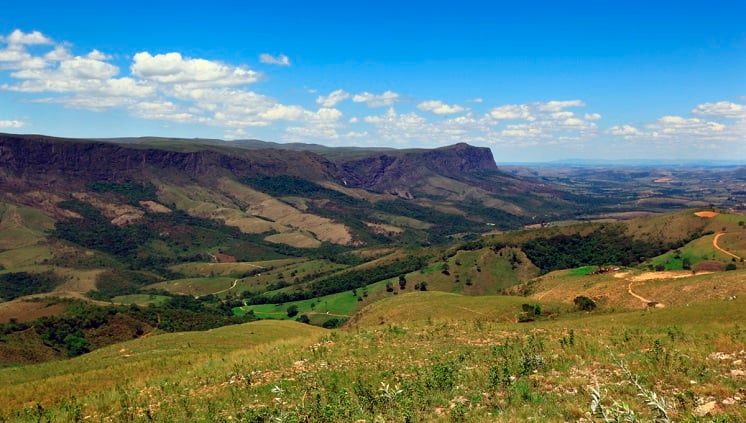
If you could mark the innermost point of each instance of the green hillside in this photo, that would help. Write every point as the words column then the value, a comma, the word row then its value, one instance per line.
column 436, row 357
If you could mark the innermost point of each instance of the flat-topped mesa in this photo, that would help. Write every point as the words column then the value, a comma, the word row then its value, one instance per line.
column 30, row 156
column 382, row 170
column 461, row 158
column 42, row 157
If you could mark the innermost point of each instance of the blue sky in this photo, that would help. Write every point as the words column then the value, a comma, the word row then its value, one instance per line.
column 535, row 81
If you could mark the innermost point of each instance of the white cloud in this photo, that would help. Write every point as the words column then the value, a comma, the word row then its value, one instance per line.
column 521, row 131
column 406, row 128
column 19, row 37
column 671, row 126
column 172, row 68
column 13, row 124
column 624, row 130
column 440, row 108
column 353, row 134
column 282, row 112
column 14, row 54
column 573, row 122
column 722, row 109
column 281, row 60
column 97, row 55
column 173, row 88
column 163, row 110
column 561, row 115
column 385, row 99
column 544, row 121
column 10, row 56
column 511, row 112
column 60, row 53
column 333, row 98
column 556, row 106
column 234, row 134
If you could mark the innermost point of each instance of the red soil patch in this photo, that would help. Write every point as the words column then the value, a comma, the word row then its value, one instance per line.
column 709, row 266
column 706, row 214
column 225, row 258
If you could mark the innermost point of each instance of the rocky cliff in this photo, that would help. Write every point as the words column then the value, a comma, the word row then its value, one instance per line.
column 383, row 171
column 36, row 156
column 47, row 158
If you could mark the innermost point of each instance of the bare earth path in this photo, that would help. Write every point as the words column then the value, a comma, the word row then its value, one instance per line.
column 225, row 290
column 641, row 298
column 717, row 247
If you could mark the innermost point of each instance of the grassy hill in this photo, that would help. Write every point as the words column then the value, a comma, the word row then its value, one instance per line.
column 436, row 357
column 482, row 329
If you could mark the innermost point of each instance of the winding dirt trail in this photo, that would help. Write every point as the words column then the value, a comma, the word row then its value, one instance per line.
column 717, row 247
column 641, row 298
column 235, row 282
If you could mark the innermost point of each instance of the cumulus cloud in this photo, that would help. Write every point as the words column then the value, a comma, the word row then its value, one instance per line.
column 670, row 126
column 439, row 108
column 172, row 68
column 624, row 130
column 170, row 87
column 511, row 112
column 281, row 60
column 333, row 98
column 14, row 53
column 556, row 106
column 544, row 121
column 88, row 82
column 722, row 109
column 12, row 124
column 353, row 134
column 405, row 128
column 385, row 99
column 19, row 37
column 719, row 122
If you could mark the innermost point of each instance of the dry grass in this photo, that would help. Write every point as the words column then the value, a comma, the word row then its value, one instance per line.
column 77, row 280
column 463, row 364
column 611, row 290
column 438, row 306
column 238, row 205
column 296, row 239
column 229, row 269
column 26, row 311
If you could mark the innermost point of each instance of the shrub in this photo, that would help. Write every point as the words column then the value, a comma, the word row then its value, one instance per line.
column 730, row 266
column 332, row 323
column 584, row 303
column 292, row 310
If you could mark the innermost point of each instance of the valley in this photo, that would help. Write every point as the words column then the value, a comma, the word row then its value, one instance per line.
column 201, row 280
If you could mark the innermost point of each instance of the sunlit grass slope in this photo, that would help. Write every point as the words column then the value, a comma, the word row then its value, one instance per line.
column 464, row 365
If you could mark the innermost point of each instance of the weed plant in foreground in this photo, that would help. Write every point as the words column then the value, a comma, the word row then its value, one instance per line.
column 449, row 369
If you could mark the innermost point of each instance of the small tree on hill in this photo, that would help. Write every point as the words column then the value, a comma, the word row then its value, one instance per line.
column 292, row 310
column 402, row 282
column 584, row 303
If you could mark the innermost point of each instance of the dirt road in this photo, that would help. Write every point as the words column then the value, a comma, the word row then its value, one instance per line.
column 641, row 298
column 235, row 282
column 717, row 247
